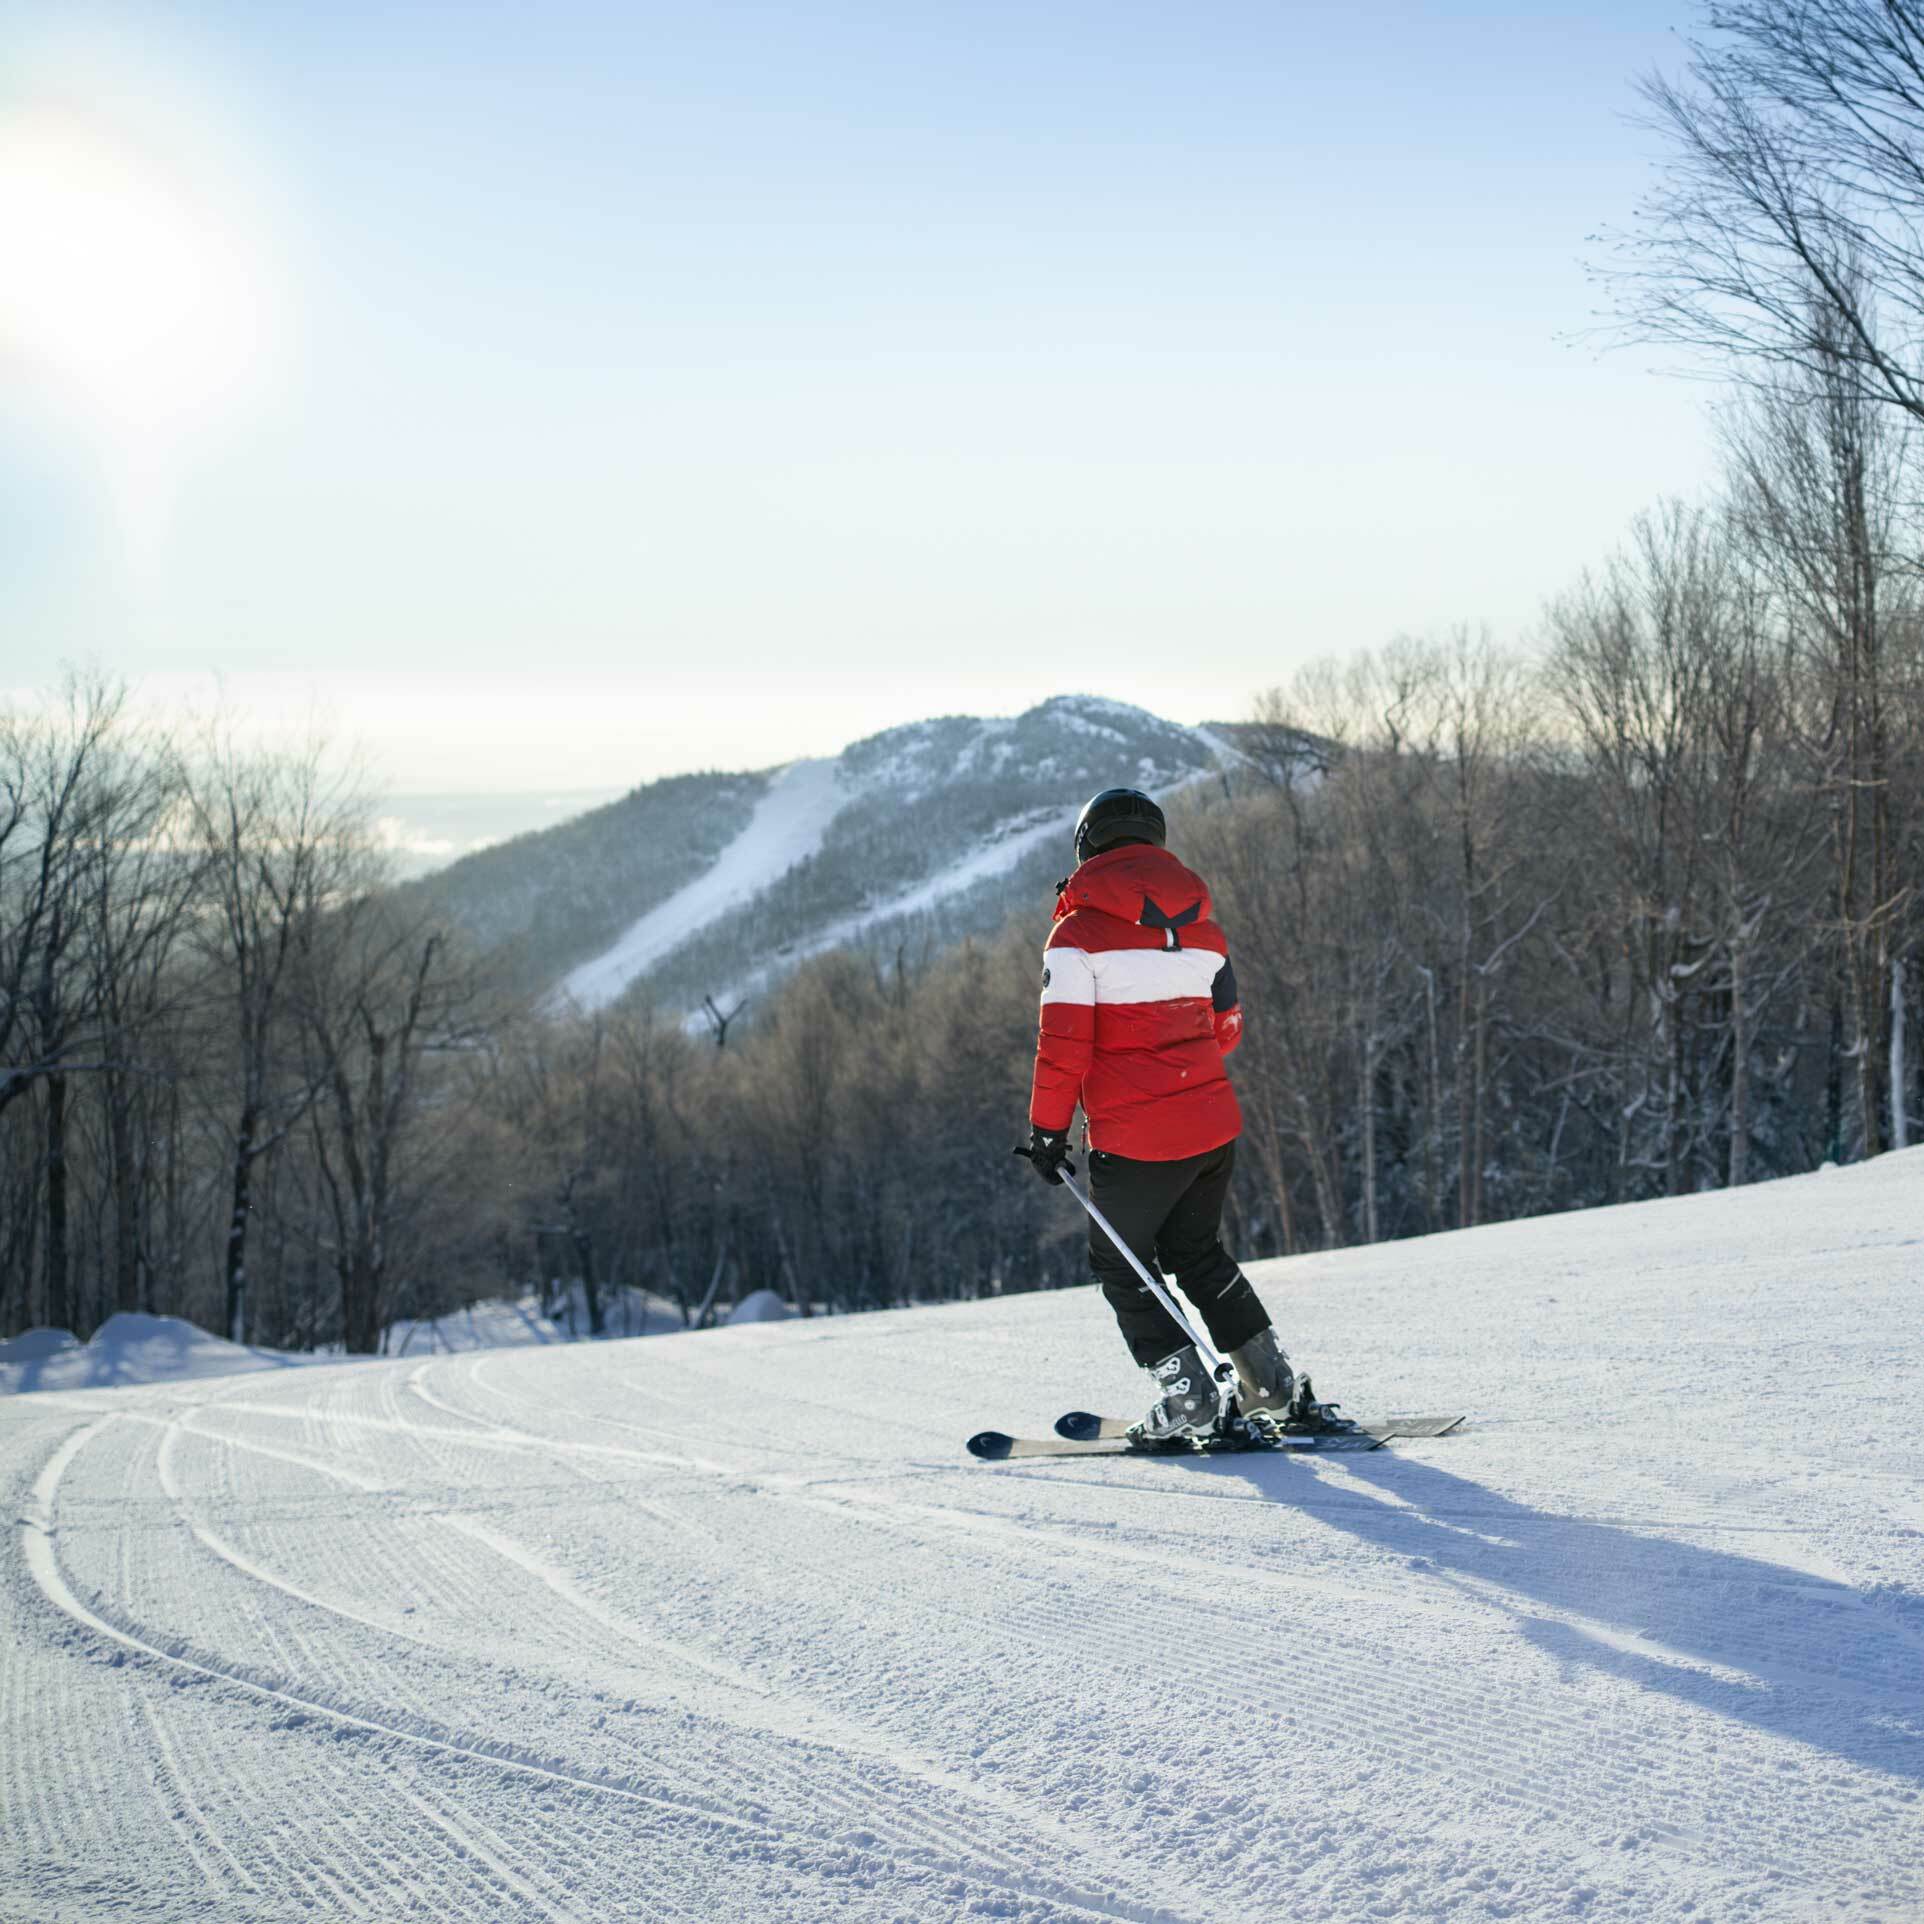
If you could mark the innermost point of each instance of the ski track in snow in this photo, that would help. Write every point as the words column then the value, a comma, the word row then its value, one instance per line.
column 726, row 1625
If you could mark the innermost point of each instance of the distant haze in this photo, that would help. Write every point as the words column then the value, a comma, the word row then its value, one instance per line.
column 422, row 833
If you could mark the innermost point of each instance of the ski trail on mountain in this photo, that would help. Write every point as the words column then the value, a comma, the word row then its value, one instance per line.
column 1002, row 852
column 787, row 827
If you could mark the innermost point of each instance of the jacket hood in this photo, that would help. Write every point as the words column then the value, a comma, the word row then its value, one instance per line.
column 1138, row 884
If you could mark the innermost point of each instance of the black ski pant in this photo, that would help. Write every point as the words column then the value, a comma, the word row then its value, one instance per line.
column 1170, row 1215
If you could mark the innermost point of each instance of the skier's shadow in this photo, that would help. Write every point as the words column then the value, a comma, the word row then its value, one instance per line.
column 1797, row 1655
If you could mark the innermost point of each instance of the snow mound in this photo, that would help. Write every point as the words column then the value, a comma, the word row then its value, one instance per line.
column 32, row 1345
column 131, row 1348
column 490, row 1325
column 624, row 1312
column 560, row 1318
column 760, row 1306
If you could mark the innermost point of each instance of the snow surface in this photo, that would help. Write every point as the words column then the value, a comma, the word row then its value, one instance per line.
column 787, row 827
column 726, row 1626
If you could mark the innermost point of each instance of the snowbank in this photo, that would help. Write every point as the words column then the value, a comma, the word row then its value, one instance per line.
column 557, row 1318
column 34, row 1345
column 129, row 1348
column 624, row 1312
column 760, row 1306
column 490, row 1325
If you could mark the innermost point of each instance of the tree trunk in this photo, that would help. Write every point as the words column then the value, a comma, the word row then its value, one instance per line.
column 1366, row 1096
column 172, row 1206
column 1739, row 1169
column 360, row 1302
column 1865, row 997
column 1670, row 1003
column 1472, row 1063
column 60, row 1306
column 1480, row 1083
column 127, row 1188
column 1433, row 1111
column 243, row 1204
column 1834, row 1078
column 1269, row 1146
column 1329, row 1202
column 584, row 1248
column 1900, row 1072
column 1465, row 1101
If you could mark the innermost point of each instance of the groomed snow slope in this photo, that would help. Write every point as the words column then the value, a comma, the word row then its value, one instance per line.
column 726, row 1626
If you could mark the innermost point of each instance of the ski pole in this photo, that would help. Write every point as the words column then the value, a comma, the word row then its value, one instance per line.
column 1218, row 1365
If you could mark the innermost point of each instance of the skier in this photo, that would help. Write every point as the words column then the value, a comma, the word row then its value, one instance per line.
column 1138, row 1010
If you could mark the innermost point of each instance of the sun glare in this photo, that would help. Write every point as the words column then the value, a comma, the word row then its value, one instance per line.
column 125, row 296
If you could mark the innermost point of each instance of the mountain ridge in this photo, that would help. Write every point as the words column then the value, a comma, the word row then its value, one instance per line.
column 720, row 883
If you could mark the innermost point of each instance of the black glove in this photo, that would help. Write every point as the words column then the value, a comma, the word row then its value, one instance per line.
column 1048, row 1153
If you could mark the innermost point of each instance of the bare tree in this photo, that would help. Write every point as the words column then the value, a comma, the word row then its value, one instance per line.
column 50, row 798
column 52, row 817
column 720, row 1018
column 561, row 1073
column 280, row 835
column 1632, row 654
column 1795, row 171
column 144, row 890
column 659, row 1151
column 1482, row 735
column 377, row 992
column 1817, row 472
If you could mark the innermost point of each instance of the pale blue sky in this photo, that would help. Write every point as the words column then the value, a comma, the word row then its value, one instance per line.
column 633, row 388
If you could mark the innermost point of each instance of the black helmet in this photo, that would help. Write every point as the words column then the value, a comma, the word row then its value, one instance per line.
column 1118, row 815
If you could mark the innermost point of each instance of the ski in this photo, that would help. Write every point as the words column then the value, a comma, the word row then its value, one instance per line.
column 1309, row 1426
column 1108, row 1436
column 1080, row 1426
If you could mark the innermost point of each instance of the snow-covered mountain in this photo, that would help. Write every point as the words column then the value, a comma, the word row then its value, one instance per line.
column 726, row 1625
column 716, row 884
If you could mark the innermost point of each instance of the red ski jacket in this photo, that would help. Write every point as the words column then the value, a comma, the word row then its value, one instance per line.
column 1138, row 1010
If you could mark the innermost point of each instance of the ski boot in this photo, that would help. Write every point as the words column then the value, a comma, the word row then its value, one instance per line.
column 1187, row 1410
column 1265, row 1383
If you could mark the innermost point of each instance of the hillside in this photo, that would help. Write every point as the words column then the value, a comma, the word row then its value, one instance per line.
column 726, row 1625
column 541, row 902
column 718, row 884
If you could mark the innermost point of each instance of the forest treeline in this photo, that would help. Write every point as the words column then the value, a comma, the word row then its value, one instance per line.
column 1629, row 913
column 1632, row 916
